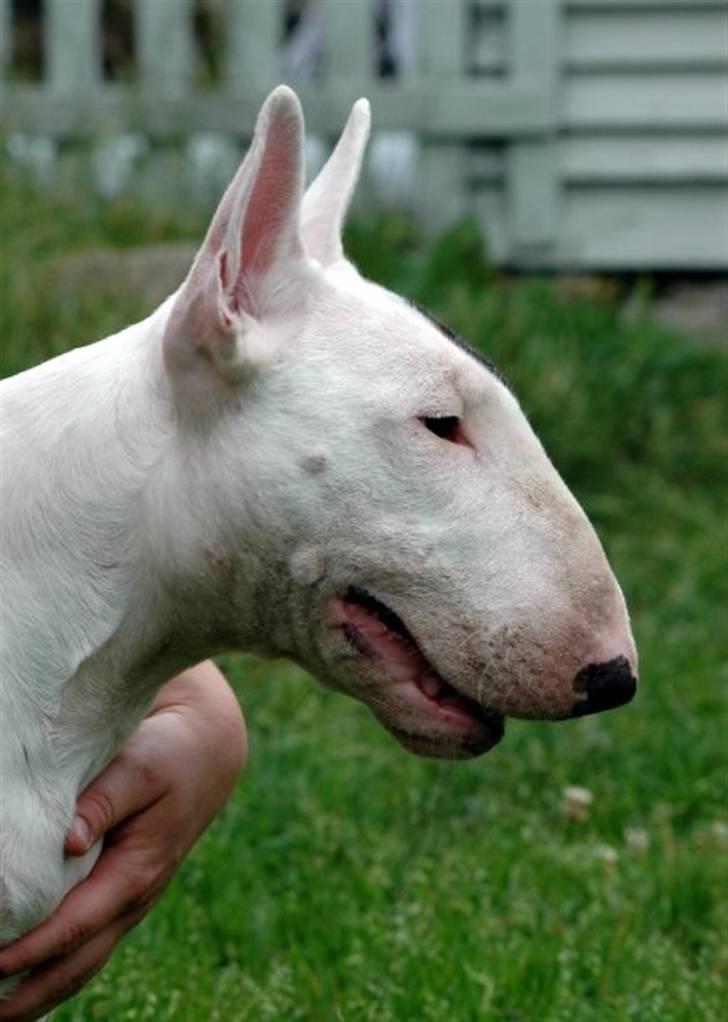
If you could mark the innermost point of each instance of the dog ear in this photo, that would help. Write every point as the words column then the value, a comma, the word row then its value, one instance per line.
column 253, row 258
column 327, row 199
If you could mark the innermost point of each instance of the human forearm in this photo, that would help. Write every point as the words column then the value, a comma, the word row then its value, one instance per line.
column 168, row 781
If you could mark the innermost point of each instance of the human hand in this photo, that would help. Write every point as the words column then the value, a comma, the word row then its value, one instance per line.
column 151, row 803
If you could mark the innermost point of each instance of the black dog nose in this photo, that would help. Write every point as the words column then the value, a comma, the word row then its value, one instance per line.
column 605, row 685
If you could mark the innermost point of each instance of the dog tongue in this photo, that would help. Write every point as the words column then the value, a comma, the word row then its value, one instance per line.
column 401, row 658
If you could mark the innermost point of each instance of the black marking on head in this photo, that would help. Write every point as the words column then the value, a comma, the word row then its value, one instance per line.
column 462, row 343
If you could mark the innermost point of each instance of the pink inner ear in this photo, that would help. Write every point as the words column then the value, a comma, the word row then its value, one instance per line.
column 270, row 220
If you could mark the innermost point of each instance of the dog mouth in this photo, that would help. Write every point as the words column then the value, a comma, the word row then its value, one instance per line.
column 428, row 716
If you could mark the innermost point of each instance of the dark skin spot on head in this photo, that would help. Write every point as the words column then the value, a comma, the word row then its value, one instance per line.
column 313, row 464
column 463, row 344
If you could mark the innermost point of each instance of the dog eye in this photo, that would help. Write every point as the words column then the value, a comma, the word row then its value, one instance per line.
column 447, row 427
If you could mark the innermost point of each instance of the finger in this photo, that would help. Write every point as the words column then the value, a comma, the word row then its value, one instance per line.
column 60, row 979
column 125, row 787
column 114, row 888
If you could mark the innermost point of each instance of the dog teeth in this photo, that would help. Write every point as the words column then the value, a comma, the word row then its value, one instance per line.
column 430, row 685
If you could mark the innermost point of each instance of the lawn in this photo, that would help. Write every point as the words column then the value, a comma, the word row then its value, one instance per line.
column 350, row 882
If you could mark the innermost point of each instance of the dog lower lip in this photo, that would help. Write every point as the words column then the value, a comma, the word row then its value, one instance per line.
column 467, row 746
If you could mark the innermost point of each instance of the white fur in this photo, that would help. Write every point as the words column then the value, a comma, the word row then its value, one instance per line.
column 212, row 477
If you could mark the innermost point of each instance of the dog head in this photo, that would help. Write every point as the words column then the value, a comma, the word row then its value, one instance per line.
column 409, row 540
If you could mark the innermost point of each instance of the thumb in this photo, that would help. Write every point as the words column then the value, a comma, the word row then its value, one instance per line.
column 121, row 790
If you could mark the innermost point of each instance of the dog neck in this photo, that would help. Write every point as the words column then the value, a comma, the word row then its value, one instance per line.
column 119, row 579
column 113, row 587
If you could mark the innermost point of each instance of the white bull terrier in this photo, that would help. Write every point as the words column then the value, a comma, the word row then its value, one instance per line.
column 285, row 458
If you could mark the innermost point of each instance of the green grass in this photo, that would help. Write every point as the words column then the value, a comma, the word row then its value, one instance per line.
column 347, row 881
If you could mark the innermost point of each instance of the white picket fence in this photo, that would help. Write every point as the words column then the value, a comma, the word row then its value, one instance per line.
column 580, row 133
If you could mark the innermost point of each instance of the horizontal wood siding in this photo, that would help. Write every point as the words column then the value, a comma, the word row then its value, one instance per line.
column 664, row 229
column 658, row 7
column 641, row 148
column 648, row 103
column 581, row 133
column 643, row 40
column 697, row 158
